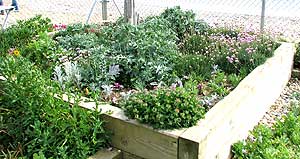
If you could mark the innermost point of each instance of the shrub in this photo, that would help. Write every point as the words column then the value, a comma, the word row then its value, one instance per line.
column 81, row 41
column 183, row 23
column 165, row 108
column 279, row 142
column 36, row 122
column 21, row 34
column 42, row 51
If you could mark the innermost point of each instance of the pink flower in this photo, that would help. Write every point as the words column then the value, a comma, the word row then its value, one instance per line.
column 230, row 59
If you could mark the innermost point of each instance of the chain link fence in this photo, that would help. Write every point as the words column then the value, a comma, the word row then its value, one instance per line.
column 281, row 16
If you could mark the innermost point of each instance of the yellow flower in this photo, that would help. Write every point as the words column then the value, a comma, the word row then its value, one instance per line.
column 86, row 91
column 16, row 52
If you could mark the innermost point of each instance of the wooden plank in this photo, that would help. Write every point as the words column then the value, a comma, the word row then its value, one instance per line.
column 107, row 154
column 133, row 137
column 127, row 155
column 232, row 118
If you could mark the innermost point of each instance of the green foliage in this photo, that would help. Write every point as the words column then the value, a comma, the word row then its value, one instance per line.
column 187, row 65
column 165, row 108
column 78, row 41
column 41, row 51
column 19, row 35
column 78, row 28
column 183, row 23
column 143, row 54
column 279, row 142
column 297, row 57
column 39, row 123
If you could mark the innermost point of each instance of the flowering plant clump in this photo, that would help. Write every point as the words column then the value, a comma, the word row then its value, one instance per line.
column 20, row 34
column 165, row 108
column 14, row 52
column 58, row 27
column 278, row 142
column 232, row 51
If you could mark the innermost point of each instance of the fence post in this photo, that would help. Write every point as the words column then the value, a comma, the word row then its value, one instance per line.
column 129, row 12
column 262, row 18
column 104, row 9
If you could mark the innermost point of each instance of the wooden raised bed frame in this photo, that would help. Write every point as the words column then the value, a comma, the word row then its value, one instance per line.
column 228, row 121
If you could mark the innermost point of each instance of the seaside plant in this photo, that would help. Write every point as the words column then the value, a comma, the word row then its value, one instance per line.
column 34, row 122
column 166, row 108
column 232, row 51
column 279, row 142
column 134, row 56
column 20, row 34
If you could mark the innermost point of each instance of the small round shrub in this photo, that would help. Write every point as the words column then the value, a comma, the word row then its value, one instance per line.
column 165, row 108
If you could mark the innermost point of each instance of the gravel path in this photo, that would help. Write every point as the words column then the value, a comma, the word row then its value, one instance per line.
column 290, row 94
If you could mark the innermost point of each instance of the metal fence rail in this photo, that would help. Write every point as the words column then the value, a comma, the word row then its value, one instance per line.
column 281, row 16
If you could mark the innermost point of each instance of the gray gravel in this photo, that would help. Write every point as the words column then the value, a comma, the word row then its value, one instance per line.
column 284, row 103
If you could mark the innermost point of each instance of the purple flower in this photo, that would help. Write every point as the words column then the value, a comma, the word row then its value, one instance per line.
column 199, row 87
column 118, row 86
column 249, row 50
column 230, row 59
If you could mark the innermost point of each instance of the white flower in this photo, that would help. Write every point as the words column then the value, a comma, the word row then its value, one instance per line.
column 107, row 89
column 114, row 70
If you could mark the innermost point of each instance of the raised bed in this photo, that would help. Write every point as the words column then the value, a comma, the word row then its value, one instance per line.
column 228, row 121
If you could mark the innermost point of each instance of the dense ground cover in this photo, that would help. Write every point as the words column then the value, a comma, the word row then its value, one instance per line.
column 167, row 72
column 278, row 142
column 34, row 124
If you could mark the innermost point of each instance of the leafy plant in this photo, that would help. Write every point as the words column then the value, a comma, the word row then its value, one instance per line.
column 143, row 54
column 77, row 28
column 279, row 142
column 20, row 34
column 39, row 123
column 187, row 65
column 165, row 108
column 297, row 57
column 42, row 51
column 183, row 23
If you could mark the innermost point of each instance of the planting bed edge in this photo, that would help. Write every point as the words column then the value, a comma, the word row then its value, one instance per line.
column 232, row 118
column 228, row 121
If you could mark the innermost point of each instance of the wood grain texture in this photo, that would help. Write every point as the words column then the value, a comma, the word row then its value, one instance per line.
column 107, row 154
column 232, row 118
column 126, row 155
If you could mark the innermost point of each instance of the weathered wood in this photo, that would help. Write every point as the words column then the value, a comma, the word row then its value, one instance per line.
column 130, row 156
column 232, row 118
column 107, row 154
